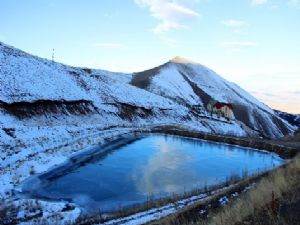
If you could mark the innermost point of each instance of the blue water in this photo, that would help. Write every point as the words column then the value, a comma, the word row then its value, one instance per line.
column 155, row 166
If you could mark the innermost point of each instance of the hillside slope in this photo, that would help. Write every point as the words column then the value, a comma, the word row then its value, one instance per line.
column 293, row 119
column 189, row 83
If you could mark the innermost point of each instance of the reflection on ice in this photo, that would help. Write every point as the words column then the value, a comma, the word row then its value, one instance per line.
column 157, row 175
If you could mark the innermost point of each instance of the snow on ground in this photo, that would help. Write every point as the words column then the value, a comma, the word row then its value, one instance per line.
column 108, row 90
column 20, row 73
column 216, row 86
column 160, row 212
column 156, row 213
column 53, row 212
column 170, row 83
column 123, row 77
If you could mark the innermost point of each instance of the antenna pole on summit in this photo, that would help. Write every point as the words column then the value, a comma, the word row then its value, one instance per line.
column 53, row 51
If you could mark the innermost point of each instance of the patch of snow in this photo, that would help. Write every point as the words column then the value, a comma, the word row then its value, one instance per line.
column 223, row 201
column 170, row 83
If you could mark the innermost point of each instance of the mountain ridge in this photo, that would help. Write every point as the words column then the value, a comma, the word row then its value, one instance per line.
column 178, row 85
column 196, row 78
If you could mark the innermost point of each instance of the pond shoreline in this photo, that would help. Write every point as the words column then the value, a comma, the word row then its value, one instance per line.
column 280, row 148
column 85, row 156
column 120, row 140
column 285, row 152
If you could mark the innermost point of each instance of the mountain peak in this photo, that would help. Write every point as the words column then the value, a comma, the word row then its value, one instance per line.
column 179, row 59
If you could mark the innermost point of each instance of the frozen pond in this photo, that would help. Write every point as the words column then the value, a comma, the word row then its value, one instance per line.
column 153, row 165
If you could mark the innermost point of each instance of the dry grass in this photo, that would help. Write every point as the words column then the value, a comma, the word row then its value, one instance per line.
column 261, row 205
column 265, row 197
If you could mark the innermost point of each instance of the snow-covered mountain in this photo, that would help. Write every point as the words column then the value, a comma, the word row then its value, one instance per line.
column 39, row 92
column 293, row 119
column 50, row 111
column 189, row 83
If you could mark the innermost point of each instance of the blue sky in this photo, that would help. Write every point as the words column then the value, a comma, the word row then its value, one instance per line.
column 255, row 43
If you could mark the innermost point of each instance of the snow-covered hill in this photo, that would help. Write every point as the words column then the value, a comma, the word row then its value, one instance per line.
column 40, row 93
column 186, row 82
column 36, row 92
column 293, row 119
column 50, row 111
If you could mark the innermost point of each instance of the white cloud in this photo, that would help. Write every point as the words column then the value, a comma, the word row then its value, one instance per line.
column 234, row 23
column 239, row 44
column 170, row 14
column 110, row 45
column 259, row 2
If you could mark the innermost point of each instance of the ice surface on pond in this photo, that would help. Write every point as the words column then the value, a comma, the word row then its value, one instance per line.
column 151, row 166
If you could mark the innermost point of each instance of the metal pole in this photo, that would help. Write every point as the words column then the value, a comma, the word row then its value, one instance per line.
column 53, row 55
